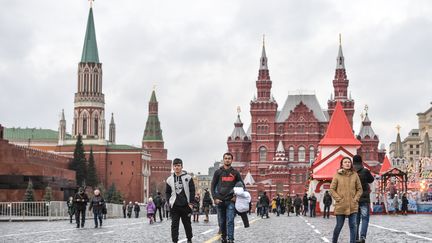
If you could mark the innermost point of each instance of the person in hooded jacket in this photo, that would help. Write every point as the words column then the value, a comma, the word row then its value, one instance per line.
column 158, row 201
column 97, row 203
column 180, row 193
column 243, row 199
column 223, row 182
column 80, row 201
column 364, row 202
column 346, row 190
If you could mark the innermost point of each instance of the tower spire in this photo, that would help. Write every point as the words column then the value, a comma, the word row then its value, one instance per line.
column 90, row 50
column 263, row 59
column 112, row 130
column 153, row 131
column 263, row 83
column 340, row 61
column 398, row 149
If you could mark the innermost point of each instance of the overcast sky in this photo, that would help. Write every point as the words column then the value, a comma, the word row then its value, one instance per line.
column 203, row 57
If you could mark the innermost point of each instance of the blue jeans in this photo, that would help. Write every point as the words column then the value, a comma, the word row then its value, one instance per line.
column 363, row 215
column 97, row 214
column 226, row 213
column 340, row 220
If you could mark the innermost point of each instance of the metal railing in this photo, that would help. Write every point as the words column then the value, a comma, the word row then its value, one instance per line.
column 54, row 210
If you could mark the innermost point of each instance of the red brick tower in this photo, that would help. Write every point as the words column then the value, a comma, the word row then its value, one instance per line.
column 263, row 113
column 340, row 84
column 160, row 166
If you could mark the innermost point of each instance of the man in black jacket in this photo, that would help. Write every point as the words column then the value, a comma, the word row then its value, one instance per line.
column 364, row 202
column 327, row 200
column 180, row 193
column 222, row 188
column 80, row 201
column 158, row 201
column 265, row 203
column 305, row 204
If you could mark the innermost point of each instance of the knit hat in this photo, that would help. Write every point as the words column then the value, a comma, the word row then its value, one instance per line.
column 239, row 184
column 357, row 162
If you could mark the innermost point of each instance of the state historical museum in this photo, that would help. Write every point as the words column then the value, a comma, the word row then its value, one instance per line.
column 276, row 152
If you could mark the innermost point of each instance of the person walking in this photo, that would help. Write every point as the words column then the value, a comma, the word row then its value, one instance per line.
column 80, row 201
column 71, row 208
column 207, row 202
column 265, row 203
column 129, row 209
column 396, row 204
column 167, row 209
column 364, row 202
column 137, row 209
column 124, row 207
column 404, row 207
column 180, row 192
column 258, row 206
column 278, row 205
column 312, row 205
column 158, row 203
column 243, row 199
column 346, row 190
column 151, row 209
column 97, row 203
column 305, row 204
column 223, row 182
column 196, row 208
column 288, row 203
column 297, row 204
column 327, row 201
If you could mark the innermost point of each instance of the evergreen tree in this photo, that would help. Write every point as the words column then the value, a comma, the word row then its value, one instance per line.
column 79, row 163
column 29, row 194
column 92, row 179
column 48, row 194
column 113, row 196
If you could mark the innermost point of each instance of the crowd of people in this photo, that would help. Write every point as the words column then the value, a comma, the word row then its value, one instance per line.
column 349, row 190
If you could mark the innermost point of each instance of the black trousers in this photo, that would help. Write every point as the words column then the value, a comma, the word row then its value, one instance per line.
column 183, row 213
column 327, row 211
column 297, row 210
column 244, row 217
column 160, row 213
column 78, row 213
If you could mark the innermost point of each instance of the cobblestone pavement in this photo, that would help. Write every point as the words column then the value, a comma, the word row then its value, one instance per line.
column 412, row 228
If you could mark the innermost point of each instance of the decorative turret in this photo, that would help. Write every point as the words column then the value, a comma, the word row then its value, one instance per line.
column 398, row 148
column 369, row 149
column 112, row 130
column 89, row 111
column 62, row 129
column 239, row 142
column 425, row 152
column 340, row 84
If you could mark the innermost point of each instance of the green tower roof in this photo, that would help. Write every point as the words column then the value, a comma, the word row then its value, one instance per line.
column 90, row 51
column 152, row 131
column 153, row 97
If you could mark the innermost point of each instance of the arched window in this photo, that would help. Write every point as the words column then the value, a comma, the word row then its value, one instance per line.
column 291, row 154
column 262, row 154
column 311, row 153
column 96, row 126
column 84, row 124
column 302, row 154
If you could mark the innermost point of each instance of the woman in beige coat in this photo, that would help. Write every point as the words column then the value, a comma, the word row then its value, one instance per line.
column 346, row 190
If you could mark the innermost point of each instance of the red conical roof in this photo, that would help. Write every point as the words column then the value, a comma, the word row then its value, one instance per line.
column 385, row 165
column 339, row 131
